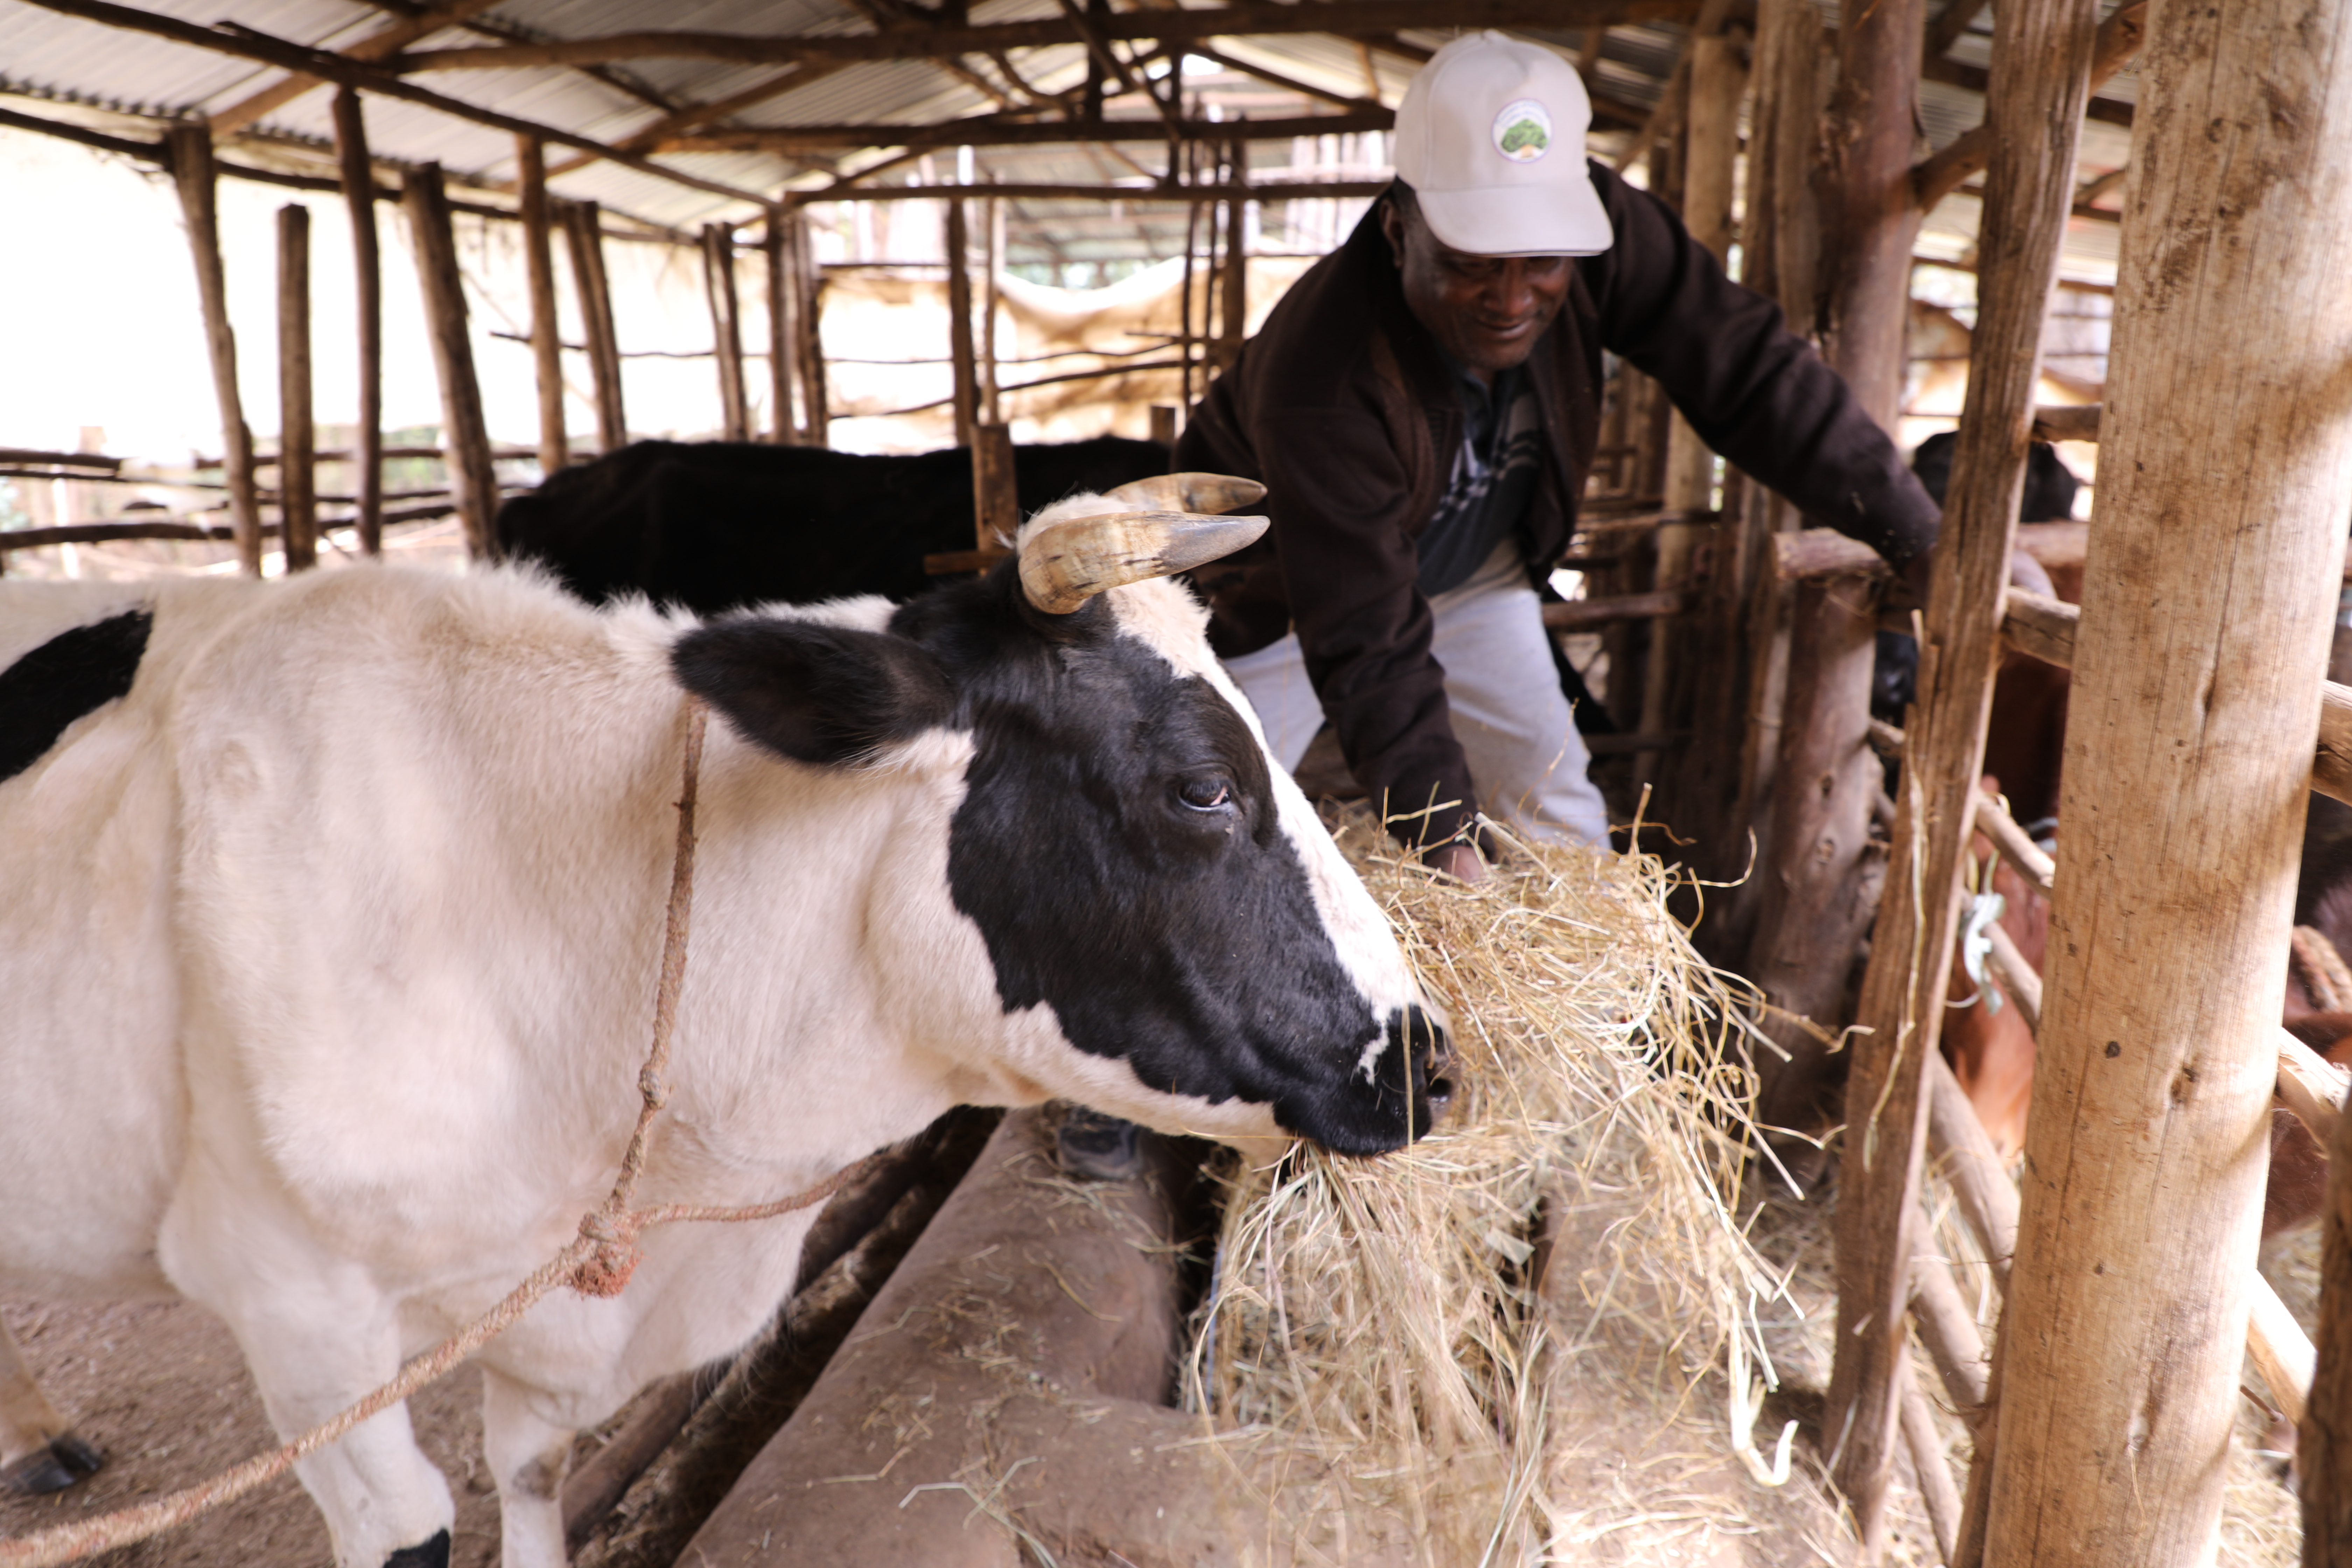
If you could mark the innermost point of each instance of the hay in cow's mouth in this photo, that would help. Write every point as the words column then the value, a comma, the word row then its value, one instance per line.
column 1415, row 1320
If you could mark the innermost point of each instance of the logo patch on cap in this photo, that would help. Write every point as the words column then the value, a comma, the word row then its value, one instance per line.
column 1523, row 130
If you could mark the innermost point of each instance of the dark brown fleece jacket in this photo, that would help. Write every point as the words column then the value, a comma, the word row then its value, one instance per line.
column 1342, row 406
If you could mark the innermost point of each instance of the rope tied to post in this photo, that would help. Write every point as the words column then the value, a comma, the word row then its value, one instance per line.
column 597, row 1262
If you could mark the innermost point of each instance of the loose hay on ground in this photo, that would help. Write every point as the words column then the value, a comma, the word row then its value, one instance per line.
column 1381, row 1312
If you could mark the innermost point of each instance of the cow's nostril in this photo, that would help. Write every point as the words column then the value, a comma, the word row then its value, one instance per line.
column 1435, row 1068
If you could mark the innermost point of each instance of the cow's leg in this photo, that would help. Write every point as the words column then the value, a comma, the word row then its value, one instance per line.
column 319, row 1335
column 317, row 1342
column 528, row 1456
column 386, row 1504
column 37, row 1452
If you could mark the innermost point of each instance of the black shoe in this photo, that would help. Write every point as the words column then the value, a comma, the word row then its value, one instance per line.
column 1094, row 1147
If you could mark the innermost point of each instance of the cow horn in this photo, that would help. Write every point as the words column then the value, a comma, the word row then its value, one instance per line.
column 1065, row 563
column 1188, row 493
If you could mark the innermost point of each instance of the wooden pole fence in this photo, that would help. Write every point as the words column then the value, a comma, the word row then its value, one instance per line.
column 808, row 325
column 1689, row 655
column 991, row 306
column 546, row 329
column 995, row 490
column 783, row 426
column 966, row 379
column 298, row 489
column 583, row 239
column 367, row 264
column 2040, row 81
column 726, row 329
column 1819, row 874
column 473, row 478
column 2193, row 722
column 192, row 172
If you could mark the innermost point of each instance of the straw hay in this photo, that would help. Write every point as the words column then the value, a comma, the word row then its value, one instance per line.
column 1380, row 1312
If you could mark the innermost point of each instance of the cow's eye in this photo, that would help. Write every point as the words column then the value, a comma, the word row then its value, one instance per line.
column 1207, row 795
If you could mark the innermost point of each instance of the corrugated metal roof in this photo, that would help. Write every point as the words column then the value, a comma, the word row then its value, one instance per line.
column 66, row 59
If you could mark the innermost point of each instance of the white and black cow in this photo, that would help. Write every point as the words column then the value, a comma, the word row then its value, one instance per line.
column 334, row 907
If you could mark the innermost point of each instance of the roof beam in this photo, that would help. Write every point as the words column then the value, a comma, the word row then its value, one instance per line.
column 376, row 46
column 2117, row 42
column 1975, row 79
column 247, row 44
column 160, row 155
column 1269, row 191
column 989, row 132
column 903, row 42
column 694, row 117
column 1276, row 78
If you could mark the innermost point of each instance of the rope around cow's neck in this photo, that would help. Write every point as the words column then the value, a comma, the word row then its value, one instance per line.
column 597, row 1262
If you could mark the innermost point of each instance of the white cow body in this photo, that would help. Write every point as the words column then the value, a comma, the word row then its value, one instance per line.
column 331, row 953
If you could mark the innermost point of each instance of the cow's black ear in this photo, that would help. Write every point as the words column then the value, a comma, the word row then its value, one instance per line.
column 814, row 693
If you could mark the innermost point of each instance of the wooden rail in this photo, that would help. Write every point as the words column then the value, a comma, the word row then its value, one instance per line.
column 2044, row 627
column 1814, row 554
column 2308, row 1085
column 112, row 532
column 2067, row 424
column 1582, row 614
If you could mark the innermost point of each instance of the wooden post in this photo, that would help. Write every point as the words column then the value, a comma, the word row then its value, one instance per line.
column 1185, row 338
column 2225, row 453
column 726, row 329
column 2324, row 1451
column 808, row 319
column 465, row 440
column 583, row 232
column 995, row 492
column 1775, row 242
column 191, row 172
column 991, row 258
column 1232, row 312
column 1819, row 873
column 785, row 427
column 359, row 198
column 546, row 326
column 1163, row 427
column 1718, row 80
column 2040, row 84
column 1823, row 876
column 960, row 359
column 1873, row 213
column 1688, row 652
column 297, row 443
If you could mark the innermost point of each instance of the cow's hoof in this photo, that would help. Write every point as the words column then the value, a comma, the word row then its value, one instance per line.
column 434, row 1553
column 66, row 1460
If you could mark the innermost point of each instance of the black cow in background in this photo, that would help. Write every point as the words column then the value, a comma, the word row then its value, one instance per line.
column 713, row 525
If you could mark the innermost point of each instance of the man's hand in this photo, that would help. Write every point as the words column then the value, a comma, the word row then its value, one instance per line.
column 1911, row 583
column 1459, row 861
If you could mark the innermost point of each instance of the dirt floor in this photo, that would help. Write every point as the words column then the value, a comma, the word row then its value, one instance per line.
column 161, row 1388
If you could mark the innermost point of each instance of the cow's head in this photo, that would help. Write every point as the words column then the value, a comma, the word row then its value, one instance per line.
column 1173, row 933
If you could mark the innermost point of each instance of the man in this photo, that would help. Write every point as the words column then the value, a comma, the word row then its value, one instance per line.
column 1423, row 406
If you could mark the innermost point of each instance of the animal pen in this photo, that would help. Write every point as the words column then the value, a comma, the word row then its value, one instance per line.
column 2188, row 169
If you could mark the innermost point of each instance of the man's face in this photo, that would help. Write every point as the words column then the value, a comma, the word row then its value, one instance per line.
column 1486, row 310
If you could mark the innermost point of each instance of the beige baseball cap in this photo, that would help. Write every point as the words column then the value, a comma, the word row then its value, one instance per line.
column 1490, row 136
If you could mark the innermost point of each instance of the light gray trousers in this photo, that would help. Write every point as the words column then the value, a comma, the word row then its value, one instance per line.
column 1517, row 729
